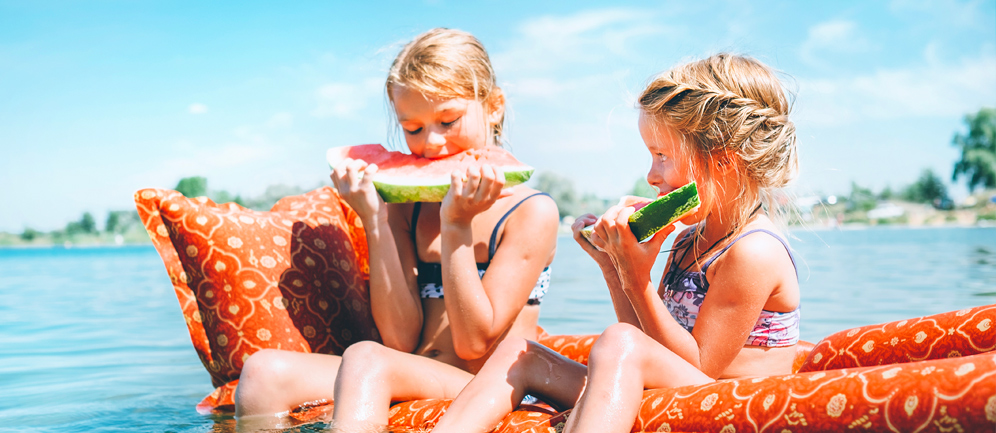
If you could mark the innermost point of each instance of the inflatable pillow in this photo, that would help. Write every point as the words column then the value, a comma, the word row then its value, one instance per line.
column 293, row 278
column 956, row 333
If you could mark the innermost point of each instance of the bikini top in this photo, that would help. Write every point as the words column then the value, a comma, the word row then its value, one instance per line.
column 685, row 291
column 430, row 275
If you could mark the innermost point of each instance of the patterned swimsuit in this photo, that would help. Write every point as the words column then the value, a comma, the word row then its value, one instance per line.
column 430, row 275
column 687, row 289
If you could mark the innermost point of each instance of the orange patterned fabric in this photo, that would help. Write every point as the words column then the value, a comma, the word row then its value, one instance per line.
column 956, row 394
column 958, row 333
column 944, row 395
column 574, row 347
column 294, row 278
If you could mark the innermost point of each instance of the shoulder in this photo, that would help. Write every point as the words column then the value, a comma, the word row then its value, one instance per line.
column 533, row 204
column 534, row 212
column 759, row 256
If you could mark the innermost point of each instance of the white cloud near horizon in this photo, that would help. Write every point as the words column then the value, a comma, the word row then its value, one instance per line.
column 346, row 100
column 280, row 120
column 553, row 42
column 928, row 89
column 832, row 37
column 197, row 108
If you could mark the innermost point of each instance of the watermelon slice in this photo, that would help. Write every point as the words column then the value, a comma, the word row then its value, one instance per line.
column 653, row 215
column 404, row 178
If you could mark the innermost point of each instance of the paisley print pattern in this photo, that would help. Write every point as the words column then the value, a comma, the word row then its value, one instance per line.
column 294, row 278
column 957, row 333
column 951, row 387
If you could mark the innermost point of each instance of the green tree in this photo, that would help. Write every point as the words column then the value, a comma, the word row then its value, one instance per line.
column 562, row 191
column 886, row 193
column 929, row 188
column 643, row 189
column 29, row 234
column 87, row 223
column 73, row 228
column 978, row 150
column 861, row 198
column 120, row 221
column 195, row 186
column 113, row 222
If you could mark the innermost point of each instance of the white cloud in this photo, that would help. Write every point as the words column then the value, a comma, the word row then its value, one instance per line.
column 947, row 12
column 280, row 120
column 832, row 37
column 931, row 89
column 587, row 37
column 197, row 108
column 347, row 100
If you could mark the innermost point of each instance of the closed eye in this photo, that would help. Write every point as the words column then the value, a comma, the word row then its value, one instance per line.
column 414, row 131
column 450, row 123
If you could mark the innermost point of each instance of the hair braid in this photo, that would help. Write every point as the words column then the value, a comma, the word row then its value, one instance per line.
column 734, row 109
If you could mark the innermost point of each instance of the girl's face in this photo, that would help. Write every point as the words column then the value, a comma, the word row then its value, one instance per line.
column 670, row 169
column 434, row 128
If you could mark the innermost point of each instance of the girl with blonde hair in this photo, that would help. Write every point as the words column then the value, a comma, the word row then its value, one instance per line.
column 443, row 92
column 727, row 305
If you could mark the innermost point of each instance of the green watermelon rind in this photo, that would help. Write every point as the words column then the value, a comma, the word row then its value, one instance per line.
column 660, row 213
column 403, row 192
column 409, row 190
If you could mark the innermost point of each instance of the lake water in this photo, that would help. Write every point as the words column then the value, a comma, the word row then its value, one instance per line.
column 93, row 340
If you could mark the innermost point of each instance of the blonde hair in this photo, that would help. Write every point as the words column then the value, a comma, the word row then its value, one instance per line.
column 447, row 63
column 729, row 109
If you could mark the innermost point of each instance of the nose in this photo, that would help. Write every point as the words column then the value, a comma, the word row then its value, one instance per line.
column 655, row 177
column 435, row 139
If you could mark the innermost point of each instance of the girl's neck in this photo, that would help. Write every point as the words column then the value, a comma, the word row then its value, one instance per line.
column 719, row 226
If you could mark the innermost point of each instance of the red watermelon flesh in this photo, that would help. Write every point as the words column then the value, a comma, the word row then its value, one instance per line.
column 403, row 177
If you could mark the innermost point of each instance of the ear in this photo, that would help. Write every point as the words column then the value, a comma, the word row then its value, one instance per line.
column 725, row 161
column 496, row 106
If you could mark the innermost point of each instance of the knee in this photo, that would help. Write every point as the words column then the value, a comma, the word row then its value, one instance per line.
column 616, row 345
column 264, row 376
column 362, row 359
column 267, row 366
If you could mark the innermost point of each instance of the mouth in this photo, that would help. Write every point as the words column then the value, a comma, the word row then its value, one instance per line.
column 663, row 192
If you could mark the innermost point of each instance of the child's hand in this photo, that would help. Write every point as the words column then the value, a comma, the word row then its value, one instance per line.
column 354, row 181
column 471, row 193
column 600, row 257
column 631, row 258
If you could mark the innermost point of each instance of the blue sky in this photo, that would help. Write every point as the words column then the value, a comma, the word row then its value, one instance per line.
column 101, row 98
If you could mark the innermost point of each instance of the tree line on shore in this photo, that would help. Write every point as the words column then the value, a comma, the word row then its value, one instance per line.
column 976, row 166
column 124, row 226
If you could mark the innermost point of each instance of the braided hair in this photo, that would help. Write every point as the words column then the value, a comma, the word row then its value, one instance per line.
column 729, row 109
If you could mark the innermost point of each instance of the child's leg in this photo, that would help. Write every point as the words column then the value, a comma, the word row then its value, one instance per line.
column 623, row 362
column 516, row 368
column 274, row 381
column 372, row 376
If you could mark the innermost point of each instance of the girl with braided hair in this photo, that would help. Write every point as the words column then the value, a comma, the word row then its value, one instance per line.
column 727, row 305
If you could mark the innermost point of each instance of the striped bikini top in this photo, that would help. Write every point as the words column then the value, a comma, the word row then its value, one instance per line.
column 430, row 275
column 686, row 290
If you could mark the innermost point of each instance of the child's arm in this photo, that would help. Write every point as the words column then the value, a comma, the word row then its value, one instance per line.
column 394, row 302
column 621, row 304
column 480, row 311
column 634, row 261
